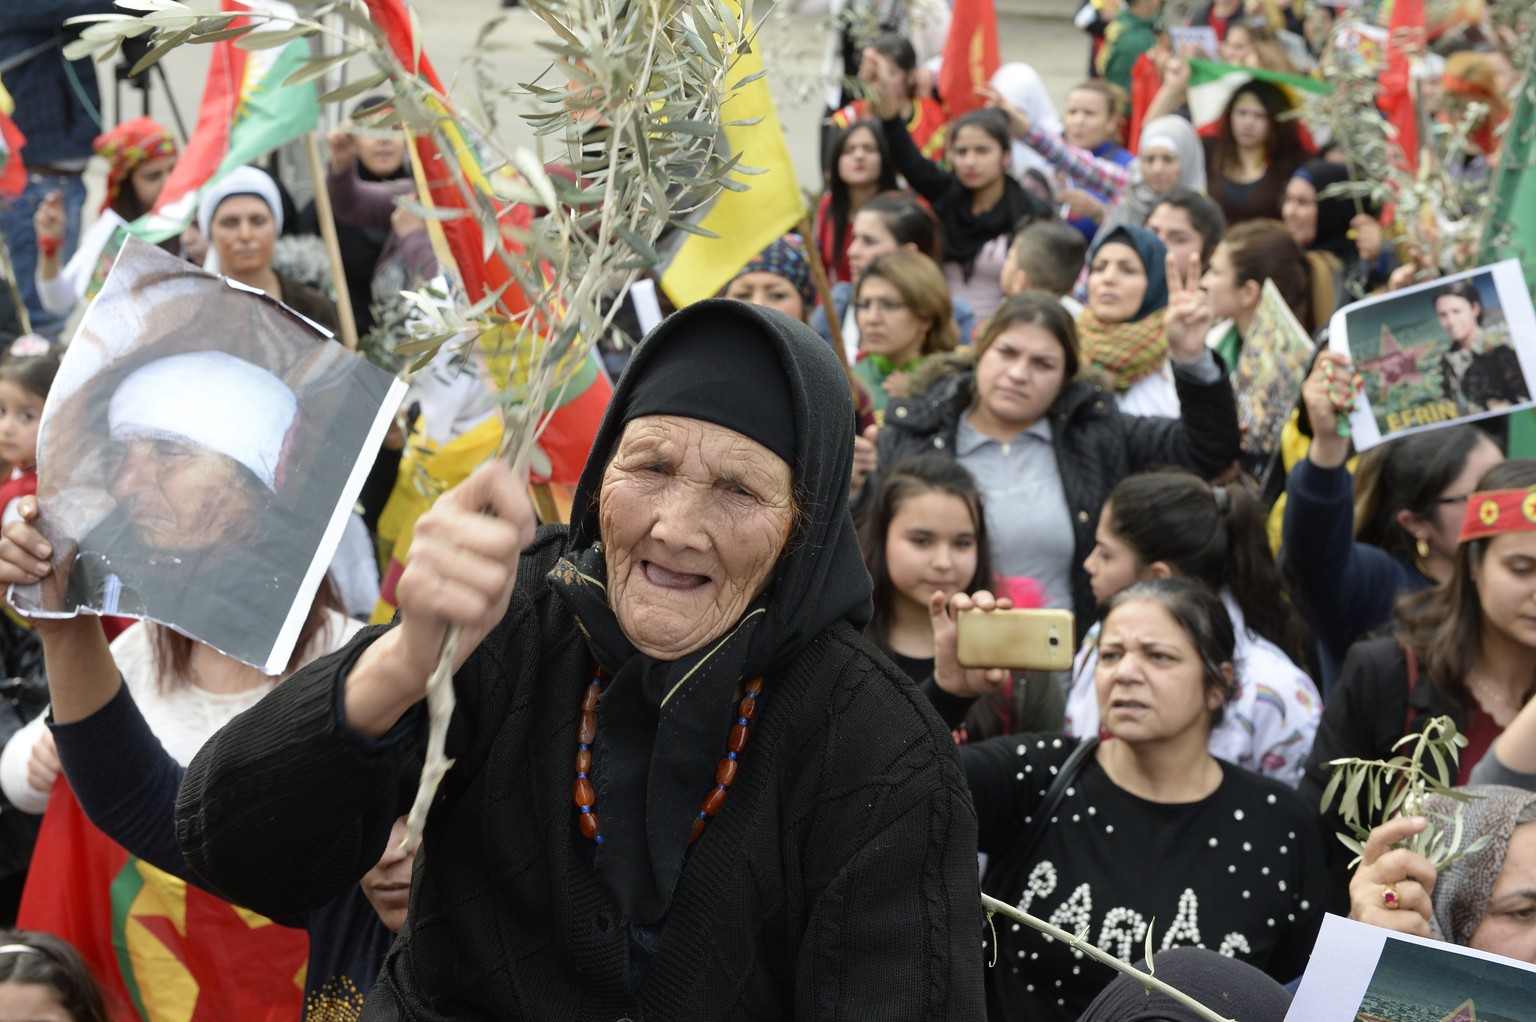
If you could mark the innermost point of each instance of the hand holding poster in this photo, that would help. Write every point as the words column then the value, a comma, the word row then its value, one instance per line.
column 1451, row 350
column 1274, row 360
column 1359, row 971
column 198, row 456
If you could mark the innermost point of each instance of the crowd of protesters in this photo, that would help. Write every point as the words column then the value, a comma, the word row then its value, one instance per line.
column 996, row 374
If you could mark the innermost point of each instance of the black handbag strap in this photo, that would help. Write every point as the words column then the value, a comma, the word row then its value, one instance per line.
column 1054, row 794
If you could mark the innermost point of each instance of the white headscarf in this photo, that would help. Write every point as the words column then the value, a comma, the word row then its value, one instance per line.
column 1173, row 134
column 1022, row 86
column 240, row 181
column 211, row 399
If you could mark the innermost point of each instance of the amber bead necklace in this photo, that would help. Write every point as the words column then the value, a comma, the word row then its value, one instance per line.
column 584, row 796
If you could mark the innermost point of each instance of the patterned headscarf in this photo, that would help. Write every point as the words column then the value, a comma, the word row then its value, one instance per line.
column 785, row 258
column 128, row 145
column 1462, row 891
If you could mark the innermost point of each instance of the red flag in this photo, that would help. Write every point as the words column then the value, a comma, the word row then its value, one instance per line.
column 13, row 175
column 970, row 55
column 1406, row 36
column 163, row 949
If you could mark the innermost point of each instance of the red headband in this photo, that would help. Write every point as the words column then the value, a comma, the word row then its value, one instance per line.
column 1495, row 512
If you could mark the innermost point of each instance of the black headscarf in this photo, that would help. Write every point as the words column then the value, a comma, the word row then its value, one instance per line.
column 1334, row 213
column 1231, row 988
column 967, row 233
column 656, row 752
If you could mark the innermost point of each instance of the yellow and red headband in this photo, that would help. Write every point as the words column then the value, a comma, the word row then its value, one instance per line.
column 1495, row 512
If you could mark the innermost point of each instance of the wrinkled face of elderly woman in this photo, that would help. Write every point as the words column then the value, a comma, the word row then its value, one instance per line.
column 694, row 517
column 181, row 496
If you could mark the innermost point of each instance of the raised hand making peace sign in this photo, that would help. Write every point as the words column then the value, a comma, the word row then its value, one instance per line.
column 1188, row 318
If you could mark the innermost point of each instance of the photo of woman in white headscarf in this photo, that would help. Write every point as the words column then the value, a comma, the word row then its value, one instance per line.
column 198, row 487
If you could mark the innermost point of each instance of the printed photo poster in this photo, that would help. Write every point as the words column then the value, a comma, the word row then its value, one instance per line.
column 1275, row 356
column 1450, row 350
column 1370, row 974
column 199, row 455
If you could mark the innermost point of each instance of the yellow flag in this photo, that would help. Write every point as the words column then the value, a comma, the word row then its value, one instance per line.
column 7, row 105
column 745, row 221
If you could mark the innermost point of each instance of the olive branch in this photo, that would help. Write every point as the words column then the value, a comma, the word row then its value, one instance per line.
column 1079, row 942
column 637, row 120
column 1373, row 791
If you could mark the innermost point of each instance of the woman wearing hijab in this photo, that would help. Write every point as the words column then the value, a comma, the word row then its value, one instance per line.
column 1121, row 326
column 685, row 786
column 241, row 215
column 1021, row 87
column 1169, row 156
column 778, row 277
column 1231, row 988
column 1484, row 900
column 1344, row 244
column 139, row 155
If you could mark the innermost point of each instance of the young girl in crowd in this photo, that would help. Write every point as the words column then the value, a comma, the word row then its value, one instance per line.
column 24, row 386
column 1188, row 224
column 1173, row 524
column 978, row 205
column 1465, row 648
column 1348, row 564
column 1092, row 124
column 902, row 305
column 857, row 170
column 925, row 537
column 1122, row 326
column 1037, row 436
column 1236, row 857
column 43, row 979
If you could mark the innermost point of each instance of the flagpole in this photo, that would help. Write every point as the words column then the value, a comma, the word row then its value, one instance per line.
column 327, row 220
column 823, row 288
column 8, row 271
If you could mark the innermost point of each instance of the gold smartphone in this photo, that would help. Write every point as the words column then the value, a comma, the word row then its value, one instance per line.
column 1037, row 639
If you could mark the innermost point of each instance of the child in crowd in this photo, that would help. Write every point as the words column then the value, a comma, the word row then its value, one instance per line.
column 924, row 538
column 1173, row 524
column 43, row 979
column 24, row 386
column 1092, row 123
column 1045, row 256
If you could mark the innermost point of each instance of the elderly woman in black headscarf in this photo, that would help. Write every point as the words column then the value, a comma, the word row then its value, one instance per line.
column 685, row 787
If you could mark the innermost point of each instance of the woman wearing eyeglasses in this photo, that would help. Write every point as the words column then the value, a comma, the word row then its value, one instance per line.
column 904, row 313
column 1353, row 546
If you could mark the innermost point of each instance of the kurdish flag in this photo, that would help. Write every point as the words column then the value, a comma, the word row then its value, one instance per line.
column 745, row 221
column 1212, row 85
column 164, row 951
column 247, row 112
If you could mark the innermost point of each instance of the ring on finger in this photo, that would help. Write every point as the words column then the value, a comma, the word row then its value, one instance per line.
column 1390, row 898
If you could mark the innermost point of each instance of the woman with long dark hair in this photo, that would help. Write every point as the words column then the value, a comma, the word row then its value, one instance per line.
column 1167, row 524
column 1256, row 149
column 858, row 169
column 1465, row 648
column 978, row 204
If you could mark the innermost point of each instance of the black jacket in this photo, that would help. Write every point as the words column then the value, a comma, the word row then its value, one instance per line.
column 838, row 881
column 1096, row 446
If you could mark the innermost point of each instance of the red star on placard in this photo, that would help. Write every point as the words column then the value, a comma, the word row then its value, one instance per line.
column 1396, row 364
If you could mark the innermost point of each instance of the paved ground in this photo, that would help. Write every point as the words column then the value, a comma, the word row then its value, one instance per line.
column 1036, row 31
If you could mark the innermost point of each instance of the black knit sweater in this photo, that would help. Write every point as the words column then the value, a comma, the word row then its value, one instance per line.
column 839, row 880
